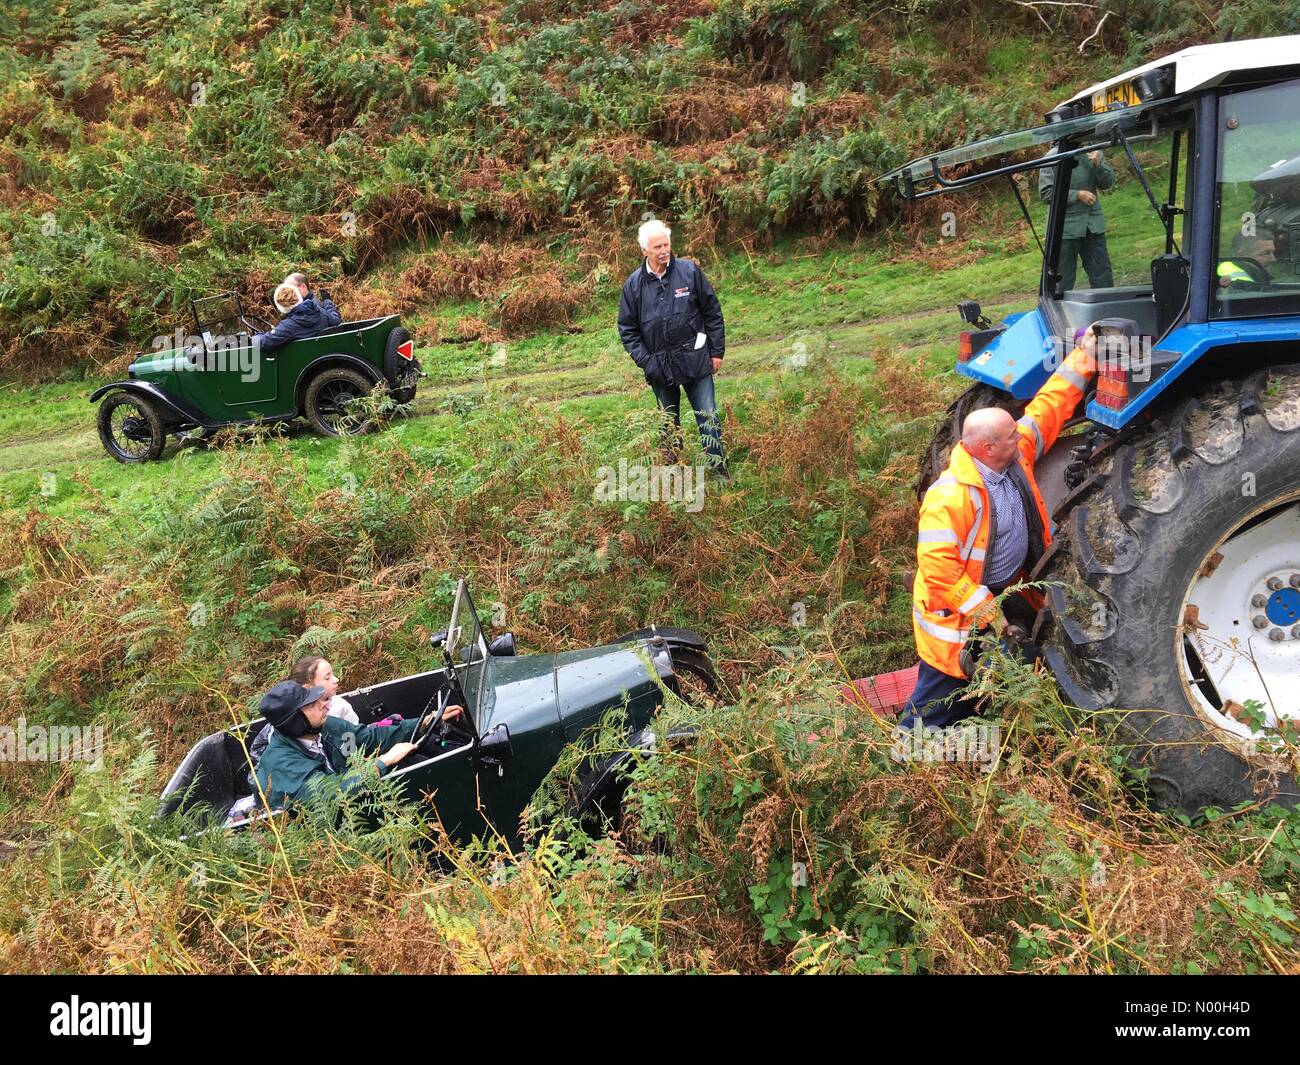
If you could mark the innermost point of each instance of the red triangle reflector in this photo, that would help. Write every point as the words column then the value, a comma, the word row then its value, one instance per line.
column 407, row 350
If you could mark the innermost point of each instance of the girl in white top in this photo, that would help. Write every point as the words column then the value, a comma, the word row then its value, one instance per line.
column 313, row 671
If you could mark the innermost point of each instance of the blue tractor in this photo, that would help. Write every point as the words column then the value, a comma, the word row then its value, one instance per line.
column 1175, row 492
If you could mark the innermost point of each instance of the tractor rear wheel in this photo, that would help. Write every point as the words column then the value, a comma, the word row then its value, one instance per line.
column 1177, row 610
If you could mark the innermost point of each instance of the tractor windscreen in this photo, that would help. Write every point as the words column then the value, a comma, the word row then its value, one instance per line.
column 1257, row 260
column 930, row 175
column 1106, row 192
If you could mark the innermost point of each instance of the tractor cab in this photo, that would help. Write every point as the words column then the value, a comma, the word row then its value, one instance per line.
column 1201, row 218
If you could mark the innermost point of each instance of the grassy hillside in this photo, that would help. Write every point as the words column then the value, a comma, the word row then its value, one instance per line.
column 153, row 151
column 160, row 601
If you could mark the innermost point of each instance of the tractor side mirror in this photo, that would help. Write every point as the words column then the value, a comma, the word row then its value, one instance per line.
column 495, row 748
column 503, row 645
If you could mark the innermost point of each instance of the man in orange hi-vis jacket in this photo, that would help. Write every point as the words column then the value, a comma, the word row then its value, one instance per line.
column 983, row 527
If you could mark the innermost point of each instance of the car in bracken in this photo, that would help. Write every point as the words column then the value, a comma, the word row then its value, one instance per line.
column 522, row 712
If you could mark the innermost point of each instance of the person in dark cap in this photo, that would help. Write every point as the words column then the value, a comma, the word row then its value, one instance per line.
column 307, row 745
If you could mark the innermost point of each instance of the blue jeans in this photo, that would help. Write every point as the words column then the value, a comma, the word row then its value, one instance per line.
column 700, row 394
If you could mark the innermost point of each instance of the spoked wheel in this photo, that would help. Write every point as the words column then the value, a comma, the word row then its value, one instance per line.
column 335, row 403
column 130, row 428
column 1175, row 607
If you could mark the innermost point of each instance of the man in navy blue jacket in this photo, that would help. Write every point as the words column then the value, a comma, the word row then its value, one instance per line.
column 670, row 322
column 304, row 315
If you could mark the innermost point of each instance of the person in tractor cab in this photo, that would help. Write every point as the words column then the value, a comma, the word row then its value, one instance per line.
column 304, row 315
column 1277, row 206
column 983, row 526
column 1260, row 247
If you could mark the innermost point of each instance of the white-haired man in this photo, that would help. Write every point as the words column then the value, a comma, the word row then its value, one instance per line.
column 670, row 322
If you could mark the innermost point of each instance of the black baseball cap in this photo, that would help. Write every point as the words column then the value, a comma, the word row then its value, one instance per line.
column 282, row 706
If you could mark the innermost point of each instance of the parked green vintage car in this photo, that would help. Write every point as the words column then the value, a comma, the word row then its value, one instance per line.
column 218, row 377
column 521, row 710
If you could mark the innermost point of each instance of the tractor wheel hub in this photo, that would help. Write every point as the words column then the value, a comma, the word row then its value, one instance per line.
column 1246, row 626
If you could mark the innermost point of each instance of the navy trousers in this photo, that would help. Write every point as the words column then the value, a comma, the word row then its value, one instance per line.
column 936, row 701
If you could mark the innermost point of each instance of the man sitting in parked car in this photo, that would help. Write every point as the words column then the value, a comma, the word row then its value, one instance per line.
column 304, row 315
column 308, row 745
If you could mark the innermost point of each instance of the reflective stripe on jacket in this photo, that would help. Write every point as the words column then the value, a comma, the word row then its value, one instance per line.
column 955, row 526
column 1229, row 272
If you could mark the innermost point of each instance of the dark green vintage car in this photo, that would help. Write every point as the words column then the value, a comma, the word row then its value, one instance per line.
column 218, row 377
column 522, row 710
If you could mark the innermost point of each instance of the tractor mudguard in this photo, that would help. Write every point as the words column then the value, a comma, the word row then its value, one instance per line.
column 1018, row 360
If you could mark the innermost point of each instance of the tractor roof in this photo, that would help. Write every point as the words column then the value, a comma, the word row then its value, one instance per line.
column 1205, row 65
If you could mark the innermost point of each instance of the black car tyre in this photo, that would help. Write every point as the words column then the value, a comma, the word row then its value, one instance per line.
column 402, row 374
column 601, row 790
column 130, row 428
column 1177, row 602
column 328, row 398
column 948, row 433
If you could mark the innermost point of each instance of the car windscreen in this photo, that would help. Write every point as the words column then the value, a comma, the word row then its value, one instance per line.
column 218, row 315
column 468, row 650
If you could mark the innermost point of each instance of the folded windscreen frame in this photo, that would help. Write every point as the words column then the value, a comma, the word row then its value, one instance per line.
column 218, row 315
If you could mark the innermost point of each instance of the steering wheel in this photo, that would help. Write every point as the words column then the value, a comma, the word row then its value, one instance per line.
column 422, row 730
column 263, row 326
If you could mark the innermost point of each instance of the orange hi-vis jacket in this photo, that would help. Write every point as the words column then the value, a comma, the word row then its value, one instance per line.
column 956, row 517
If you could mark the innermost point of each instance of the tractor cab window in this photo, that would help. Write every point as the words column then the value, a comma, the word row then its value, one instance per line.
column 1257, row 256
column 1120, row 244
